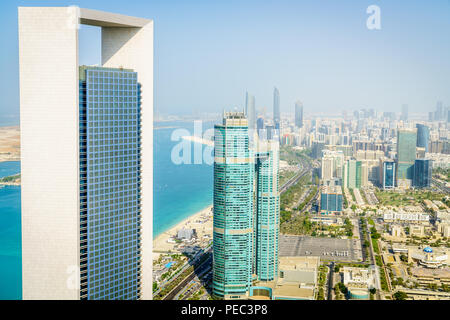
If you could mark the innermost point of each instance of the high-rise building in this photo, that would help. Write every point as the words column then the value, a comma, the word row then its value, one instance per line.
column 267, row 222
column 331, row 200
column 260, row 123
column 422, row 173
column 250, row 110
column 439, row 113
column 406, row 155
column 233, row 207
column 276, row 109
column 404, row 114
column 299, row 114
column 387, row 171
column 423, row 136
column 110, row 184
column 246, row 209
column 87, row 157
column 352, row 174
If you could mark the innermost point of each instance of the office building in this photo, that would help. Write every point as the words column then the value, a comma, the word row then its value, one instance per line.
column 388, row 174
column 267, row 223
column 233, row 207
column 87, row 157
column 299, row 114
column 352, row 174
column 246, row 209
column 250, row 110
column 331, row 200
column 404, row 114
column 406, row 155
column 422, row 173
column 423, row 136
column 276, row 109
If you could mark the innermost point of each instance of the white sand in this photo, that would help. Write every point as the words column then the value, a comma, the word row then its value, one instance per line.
column 201, row 221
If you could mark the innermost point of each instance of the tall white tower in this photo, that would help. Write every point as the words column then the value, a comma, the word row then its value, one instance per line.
column 50, row 141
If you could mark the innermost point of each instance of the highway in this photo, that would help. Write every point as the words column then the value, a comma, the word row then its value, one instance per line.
column 440, row 186
column 207, row 264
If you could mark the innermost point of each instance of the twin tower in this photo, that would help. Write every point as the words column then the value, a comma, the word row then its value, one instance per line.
column 246, row 208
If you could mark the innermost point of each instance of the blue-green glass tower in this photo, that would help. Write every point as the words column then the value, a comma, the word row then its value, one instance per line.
column 406, row 153
column 233, row 208
column 110, row 184
column 267, row 222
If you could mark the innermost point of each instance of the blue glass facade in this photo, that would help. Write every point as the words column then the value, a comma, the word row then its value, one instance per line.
column 422, row 173
column 233, row 208
column 267, row 224
column 330, row 202
column 388, row 175
column 109, row 184
column 423, row 136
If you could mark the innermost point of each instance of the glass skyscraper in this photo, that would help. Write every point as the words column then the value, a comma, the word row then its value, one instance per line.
column 423, row 136
column 276, row 109
column 406, row 153
column 110, row 184
column 299, row 114
column 250, row 110
column 246, row 209
column 267, row 222
column 422, row 173
column 233, row 207
column 388, row 174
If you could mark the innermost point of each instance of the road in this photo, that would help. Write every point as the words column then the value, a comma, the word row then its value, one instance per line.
column 330, row 281
column 204, row 267
column 440, row 186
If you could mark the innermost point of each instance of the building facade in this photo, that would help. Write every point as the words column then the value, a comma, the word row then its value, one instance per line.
column 422, row 173
column 233, row 207
column 246, row 209
column 299, row 114
column 276, row 109
column 423, row 136
column 87, row 177
column 406, row 155
column 267, row 222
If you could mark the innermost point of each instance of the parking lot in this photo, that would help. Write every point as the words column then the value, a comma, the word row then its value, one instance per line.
column 325, row 248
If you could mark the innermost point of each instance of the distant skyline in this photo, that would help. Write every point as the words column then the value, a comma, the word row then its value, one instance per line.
column 208, row 54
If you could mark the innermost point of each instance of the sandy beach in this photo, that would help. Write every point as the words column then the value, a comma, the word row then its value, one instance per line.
column 201, row 221
column 10, row 143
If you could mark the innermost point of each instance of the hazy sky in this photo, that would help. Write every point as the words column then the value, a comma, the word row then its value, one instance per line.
column 208, row 53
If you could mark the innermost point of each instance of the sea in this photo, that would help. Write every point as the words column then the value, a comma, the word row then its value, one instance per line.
column 180, row 190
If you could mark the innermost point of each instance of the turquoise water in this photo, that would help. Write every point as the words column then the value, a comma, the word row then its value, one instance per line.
column 10, row 243
column 9, row 168
column 179, row 191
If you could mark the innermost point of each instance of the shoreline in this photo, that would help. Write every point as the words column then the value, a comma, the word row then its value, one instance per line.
column 201, row 221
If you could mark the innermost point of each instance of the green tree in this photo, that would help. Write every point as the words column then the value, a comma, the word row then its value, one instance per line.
column 400, row 295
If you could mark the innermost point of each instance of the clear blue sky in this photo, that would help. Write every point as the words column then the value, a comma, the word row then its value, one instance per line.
column 208, row 53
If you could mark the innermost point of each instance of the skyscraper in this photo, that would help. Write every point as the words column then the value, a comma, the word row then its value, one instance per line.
column 423, row 136
column 404, row 115
column 388, row 174
column 267, row 223
column 299, row 114
column 246, row 209
column 233, row 207
column 110, row 184
column 87, row 157
column 276, row 109
column 439, row 113
column 352, row 174
column 250, row 110
column 406, row 155
column 422, row 173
